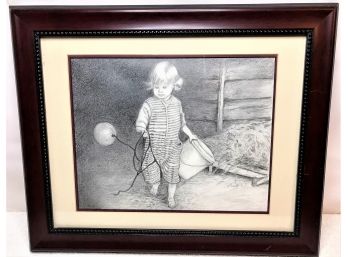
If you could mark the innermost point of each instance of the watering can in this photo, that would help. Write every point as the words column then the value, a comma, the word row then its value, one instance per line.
column 195, row 157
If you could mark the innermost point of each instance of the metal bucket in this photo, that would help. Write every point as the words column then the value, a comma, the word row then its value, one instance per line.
column 195, row 157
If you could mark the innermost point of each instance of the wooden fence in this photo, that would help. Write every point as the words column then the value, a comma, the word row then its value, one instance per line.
column 235, row 93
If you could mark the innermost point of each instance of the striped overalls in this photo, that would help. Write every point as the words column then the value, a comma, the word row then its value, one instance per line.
column 163, row 121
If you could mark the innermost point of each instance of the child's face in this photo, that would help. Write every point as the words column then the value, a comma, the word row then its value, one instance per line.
column 163, row 90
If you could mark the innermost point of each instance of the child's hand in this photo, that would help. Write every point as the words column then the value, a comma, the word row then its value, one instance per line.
column 145, row 133
column 193, row 137
column 142, row 131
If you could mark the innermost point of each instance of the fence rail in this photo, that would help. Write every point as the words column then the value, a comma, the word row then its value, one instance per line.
column 239, row 91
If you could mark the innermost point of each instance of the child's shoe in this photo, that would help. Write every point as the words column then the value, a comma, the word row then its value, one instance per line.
column 171, row 202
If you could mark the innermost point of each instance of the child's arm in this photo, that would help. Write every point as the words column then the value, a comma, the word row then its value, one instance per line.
column 185, row 129
column 143, row 119
column 189, row 133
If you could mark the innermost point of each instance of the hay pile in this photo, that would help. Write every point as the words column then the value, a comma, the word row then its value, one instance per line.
column 243, row 144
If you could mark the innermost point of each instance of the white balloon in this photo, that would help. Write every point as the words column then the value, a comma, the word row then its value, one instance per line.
column 105, row 133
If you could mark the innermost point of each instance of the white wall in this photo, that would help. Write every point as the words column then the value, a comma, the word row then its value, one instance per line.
column 14, row 172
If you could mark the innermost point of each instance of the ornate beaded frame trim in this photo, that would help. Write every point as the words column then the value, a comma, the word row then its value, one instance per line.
column 169, row 33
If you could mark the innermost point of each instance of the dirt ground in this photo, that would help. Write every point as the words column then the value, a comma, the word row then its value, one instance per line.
column 229, row 194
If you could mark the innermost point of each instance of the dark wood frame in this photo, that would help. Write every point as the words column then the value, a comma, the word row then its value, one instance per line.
column 315, row 21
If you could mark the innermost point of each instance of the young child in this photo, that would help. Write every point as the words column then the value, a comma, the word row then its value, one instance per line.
column 160, row 119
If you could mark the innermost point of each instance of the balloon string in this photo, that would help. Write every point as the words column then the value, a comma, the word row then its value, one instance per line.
column 131, row 185
column 124, row 143
column 135, row 158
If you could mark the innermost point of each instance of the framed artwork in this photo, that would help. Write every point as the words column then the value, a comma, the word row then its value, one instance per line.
column 177, row 129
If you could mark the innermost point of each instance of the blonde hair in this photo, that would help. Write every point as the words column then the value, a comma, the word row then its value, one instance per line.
column 164, row 72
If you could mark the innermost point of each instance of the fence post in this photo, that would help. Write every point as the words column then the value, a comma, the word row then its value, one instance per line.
column 220, row 110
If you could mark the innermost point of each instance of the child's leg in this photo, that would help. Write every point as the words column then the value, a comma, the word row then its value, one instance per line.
column 151, row 174
column 171, row 193
column 154, row 188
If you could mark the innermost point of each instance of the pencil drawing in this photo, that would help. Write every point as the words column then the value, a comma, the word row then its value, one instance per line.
column 179, row 134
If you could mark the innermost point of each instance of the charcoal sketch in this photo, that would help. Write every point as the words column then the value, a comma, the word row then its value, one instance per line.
column 173, row 134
